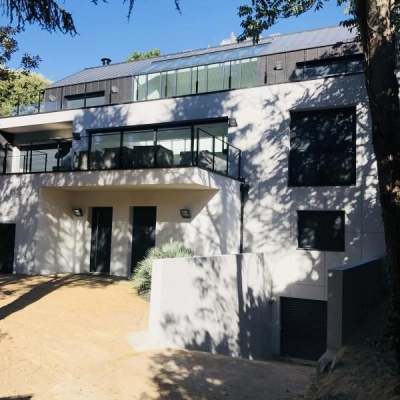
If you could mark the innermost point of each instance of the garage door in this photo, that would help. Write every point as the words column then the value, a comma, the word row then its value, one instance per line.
column 303, row 328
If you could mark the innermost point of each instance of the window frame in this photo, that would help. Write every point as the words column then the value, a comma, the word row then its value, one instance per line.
column 292, row 182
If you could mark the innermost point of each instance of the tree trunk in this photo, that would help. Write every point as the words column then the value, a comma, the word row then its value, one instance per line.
column 377, row 34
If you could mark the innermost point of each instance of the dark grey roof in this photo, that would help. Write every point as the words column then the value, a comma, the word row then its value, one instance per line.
column 270, row 45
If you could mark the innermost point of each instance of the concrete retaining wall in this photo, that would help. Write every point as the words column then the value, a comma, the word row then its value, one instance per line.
column 216, row 304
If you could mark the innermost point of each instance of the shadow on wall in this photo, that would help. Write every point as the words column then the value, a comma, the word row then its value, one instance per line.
column 218, row 305
column 271, row 207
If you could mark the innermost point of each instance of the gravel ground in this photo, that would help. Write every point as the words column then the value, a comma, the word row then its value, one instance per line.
column 65, row 337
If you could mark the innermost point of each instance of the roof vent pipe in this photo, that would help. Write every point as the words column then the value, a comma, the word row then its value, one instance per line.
column 106, row 61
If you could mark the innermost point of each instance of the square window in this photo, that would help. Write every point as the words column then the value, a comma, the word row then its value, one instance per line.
column 321, row 230
column 322, row 147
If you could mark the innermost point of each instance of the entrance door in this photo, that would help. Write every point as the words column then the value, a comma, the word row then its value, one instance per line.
column 144, row 232
column 7, row 242
column 100, row 251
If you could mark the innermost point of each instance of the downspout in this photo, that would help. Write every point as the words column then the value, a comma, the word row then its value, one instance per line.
column 244, row 191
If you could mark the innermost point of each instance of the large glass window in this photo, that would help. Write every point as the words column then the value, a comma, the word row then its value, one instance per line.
column 215, row 77
column 322, row 147
column 140, row 88
column 154, row 86
column 183, row 82
column 321, row 230
column 168, row 84
column 105, row 150
column 249, row 73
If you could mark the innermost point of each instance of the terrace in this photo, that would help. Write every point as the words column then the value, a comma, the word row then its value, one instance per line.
column 128, row 148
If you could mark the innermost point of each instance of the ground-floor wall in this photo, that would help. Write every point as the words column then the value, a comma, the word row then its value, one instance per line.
column 51, row 239
column 220, row 304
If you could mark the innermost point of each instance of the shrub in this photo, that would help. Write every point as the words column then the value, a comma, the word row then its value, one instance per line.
column 141, row 277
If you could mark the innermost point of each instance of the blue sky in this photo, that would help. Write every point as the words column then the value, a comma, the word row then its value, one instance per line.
column 104, row 31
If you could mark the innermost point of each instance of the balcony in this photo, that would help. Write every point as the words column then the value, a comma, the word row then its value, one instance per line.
column 129, row 149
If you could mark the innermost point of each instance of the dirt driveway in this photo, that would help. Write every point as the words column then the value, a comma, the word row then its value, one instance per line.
column 65, row 338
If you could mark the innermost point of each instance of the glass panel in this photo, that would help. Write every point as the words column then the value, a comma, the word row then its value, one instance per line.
column 183, row 82
column 95, row 99
column 154, row 86
column 205, row 149
column 105, row 150
column 235, row 74
column 201, row 79
column 233, row 162
column 227, row 74
column 174, row 147
column 221, row 156
column 249, row 73
column 203, row 59
column 194, row 80
column 78, row 102
column 138, row 149
column 215, row 77
column 355, row 66
column 140, row 87
column 168, row 84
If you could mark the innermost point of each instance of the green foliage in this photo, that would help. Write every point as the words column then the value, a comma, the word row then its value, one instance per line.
column 262, row 14
column 141, row 277
column 20, row 87
column 136, row 55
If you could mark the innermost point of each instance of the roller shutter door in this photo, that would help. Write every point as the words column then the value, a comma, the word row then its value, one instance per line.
column 303, row 328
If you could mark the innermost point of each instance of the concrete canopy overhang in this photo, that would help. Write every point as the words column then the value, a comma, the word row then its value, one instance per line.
column 39, row 124
column 191, row 178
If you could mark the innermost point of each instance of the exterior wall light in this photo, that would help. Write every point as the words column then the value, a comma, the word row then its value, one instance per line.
column 76, row 135
column 185, row 213
column 232, row 123
column 114, row 89
column 77, row 212
column 278, row 66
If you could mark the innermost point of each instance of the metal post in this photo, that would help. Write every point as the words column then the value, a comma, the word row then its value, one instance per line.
column 30, row 159
column 192, row 143
column 240, row 163
column 198, row 145
column 213, row 153
column 5, row 159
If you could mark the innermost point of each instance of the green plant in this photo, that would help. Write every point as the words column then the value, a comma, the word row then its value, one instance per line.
column 141, row 277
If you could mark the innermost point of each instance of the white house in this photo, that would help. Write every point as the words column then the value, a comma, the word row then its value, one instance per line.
column 238, row 148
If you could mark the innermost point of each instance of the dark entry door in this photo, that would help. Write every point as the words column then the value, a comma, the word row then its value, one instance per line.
column 100, row 252
column 144, row 232
column 7, row 242
column 303, row 328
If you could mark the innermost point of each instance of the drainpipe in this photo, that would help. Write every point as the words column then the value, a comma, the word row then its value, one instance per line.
column 244, row 191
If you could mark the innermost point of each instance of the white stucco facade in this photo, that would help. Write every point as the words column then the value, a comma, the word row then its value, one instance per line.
column 270, row 221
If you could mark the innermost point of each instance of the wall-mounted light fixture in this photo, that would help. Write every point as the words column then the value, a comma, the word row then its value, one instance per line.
column 77, row 212
column 232, row 123
column 185, row 213
column 114, row 89
column 278, row 66
column 76, row 135
column 52, row 97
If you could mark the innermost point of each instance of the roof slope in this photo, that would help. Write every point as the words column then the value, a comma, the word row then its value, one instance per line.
column 270, row 45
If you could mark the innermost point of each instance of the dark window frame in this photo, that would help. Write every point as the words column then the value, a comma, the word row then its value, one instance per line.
column 293, row 178
column 324, row 241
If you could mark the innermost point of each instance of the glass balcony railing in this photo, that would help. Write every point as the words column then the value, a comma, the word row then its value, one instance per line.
column 138, row 149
